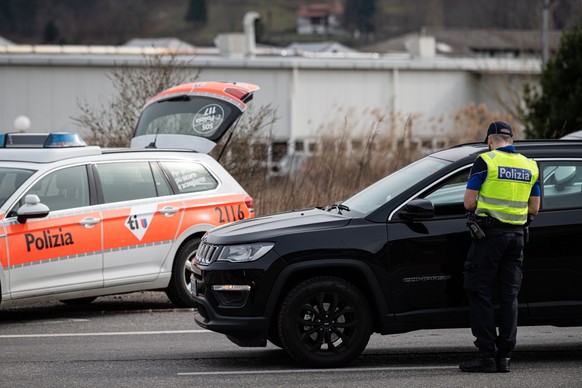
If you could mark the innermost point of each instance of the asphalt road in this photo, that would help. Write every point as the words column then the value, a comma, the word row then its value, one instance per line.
column 141, row 340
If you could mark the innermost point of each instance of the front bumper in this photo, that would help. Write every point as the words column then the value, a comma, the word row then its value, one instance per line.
column 243, row 331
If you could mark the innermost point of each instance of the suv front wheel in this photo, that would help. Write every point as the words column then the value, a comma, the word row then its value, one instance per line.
column 324, row 322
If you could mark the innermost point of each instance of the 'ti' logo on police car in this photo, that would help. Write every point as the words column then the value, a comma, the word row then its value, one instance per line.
column 140, row 218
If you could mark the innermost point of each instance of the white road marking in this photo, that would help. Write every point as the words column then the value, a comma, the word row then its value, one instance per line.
column 339, row 370
column 103, row 334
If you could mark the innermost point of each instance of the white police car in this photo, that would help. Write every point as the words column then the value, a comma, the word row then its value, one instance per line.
column 82, row 221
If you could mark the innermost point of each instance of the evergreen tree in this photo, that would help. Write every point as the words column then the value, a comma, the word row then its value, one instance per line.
column 51, row 33
column 359, row 16
column 197, row 12
column 553, row 110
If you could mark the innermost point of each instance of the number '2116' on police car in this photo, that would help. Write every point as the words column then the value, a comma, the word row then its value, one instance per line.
column 78, row 221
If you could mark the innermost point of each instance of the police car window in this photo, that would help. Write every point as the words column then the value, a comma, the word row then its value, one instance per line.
column 63, row 189
column 190, row 177
column 162, row 186
column 126, row 181
column 561, row 185
column 10, row 180
column 199, row 116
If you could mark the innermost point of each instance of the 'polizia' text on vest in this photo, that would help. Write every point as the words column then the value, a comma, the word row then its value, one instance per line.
column 505, row 193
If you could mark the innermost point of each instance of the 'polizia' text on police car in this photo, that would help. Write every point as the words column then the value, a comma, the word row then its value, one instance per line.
column 82, row 221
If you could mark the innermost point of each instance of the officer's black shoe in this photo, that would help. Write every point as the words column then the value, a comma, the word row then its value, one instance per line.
column 479, row 364
column 503, row 364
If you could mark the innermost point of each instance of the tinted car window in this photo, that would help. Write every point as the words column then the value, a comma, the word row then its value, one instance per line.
column 190, row 177
column 394, row 184
column 126, row 181
column 200, row 116
column 63, row 189
column 448, row 196
column 561, row 185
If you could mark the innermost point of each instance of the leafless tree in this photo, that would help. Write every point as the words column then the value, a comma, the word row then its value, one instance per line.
column 113, row 121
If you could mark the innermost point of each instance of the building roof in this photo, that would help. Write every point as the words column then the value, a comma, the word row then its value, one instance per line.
column 320, row 10
column 167, row 43
column 319, row 47
column 474, row 42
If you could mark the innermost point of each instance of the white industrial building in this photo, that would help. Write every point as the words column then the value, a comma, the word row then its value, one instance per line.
column 311, row 92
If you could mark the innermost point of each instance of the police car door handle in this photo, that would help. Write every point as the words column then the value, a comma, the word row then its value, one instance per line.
column 169, row 211
column 89, row 222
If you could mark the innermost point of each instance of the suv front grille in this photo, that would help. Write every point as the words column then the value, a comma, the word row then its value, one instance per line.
column 207, row 253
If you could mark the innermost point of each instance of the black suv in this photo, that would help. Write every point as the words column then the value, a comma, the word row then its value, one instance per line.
column 318, row 282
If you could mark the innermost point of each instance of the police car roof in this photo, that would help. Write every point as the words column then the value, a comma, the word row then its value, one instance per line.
column 46, row 155
column 56, row 146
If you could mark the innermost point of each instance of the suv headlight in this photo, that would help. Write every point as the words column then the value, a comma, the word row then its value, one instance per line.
column 244, row 252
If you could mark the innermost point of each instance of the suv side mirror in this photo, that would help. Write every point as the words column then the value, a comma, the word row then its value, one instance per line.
column 417, row 208
column 32, row 208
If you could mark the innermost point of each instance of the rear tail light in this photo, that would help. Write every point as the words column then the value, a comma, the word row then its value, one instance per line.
column 249, row 203
column 237, row 93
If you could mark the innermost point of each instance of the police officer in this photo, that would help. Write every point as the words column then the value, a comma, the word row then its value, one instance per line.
column 504, row 193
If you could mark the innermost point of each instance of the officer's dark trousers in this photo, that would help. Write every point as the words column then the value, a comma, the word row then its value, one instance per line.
column 494, row 263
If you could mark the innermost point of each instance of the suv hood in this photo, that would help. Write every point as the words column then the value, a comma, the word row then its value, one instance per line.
column 192, row 116
column 269, row 227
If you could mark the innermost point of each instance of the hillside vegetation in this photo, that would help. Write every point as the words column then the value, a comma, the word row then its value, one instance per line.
column 117, row 21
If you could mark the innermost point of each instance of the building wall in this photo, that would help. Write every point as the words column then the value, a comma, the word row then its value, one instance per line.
column 48, row 95
column 310, row 95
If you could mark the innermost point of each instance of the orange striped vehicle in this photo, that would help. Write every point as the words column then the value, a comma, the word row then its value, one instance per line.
column 78, row 221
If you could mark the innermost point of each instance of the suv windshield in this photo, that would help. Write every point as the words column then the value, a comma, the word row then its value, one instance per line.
column 394, row 184
column 10, row 180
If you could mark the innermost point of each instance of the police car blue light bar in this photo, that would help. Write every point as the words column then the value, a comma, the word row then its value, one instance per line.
column 41, row 140
column 64, row 139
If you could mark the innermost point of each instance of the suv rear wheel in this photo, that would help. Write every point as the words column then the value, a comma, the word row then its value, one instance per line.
column 179, row 288
column 325, row 322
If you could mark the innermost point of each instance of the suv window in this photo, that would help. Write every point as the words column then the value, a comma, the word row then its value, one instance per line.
column 562, row 185
column 190, row 177
column 394, row 184
column 126, row 181
column 63, row 189
column 448, row 196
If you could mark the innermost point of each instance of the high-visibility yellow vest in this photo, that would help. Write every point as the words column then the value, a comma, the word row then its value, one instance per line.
column 505, row 192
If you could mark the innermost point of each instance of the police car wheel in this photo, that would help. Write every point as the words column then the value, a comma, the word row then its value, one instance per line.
column 178, row 290
column 325, row 322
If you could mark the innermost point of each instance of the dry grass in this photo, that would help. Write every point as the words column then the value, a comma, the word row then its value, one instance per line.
column 342, row 166
column 347, row 160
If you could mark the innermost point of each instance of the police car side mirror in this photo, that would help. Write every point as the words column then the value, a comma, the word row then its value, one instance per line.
column 32, row 208
column 417, row 209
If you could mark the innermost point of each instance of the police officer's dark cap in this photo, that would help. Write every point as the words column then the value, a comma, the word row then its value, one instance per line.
column 499, row 128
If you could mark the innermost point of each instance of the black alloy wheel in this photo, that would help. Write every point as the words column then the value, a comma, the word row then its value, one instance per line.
column 325, row 322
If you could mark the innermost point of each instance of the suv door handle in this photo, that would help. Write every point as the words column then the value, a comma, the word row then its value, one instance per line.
column 89, row 222
column 169, row 211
